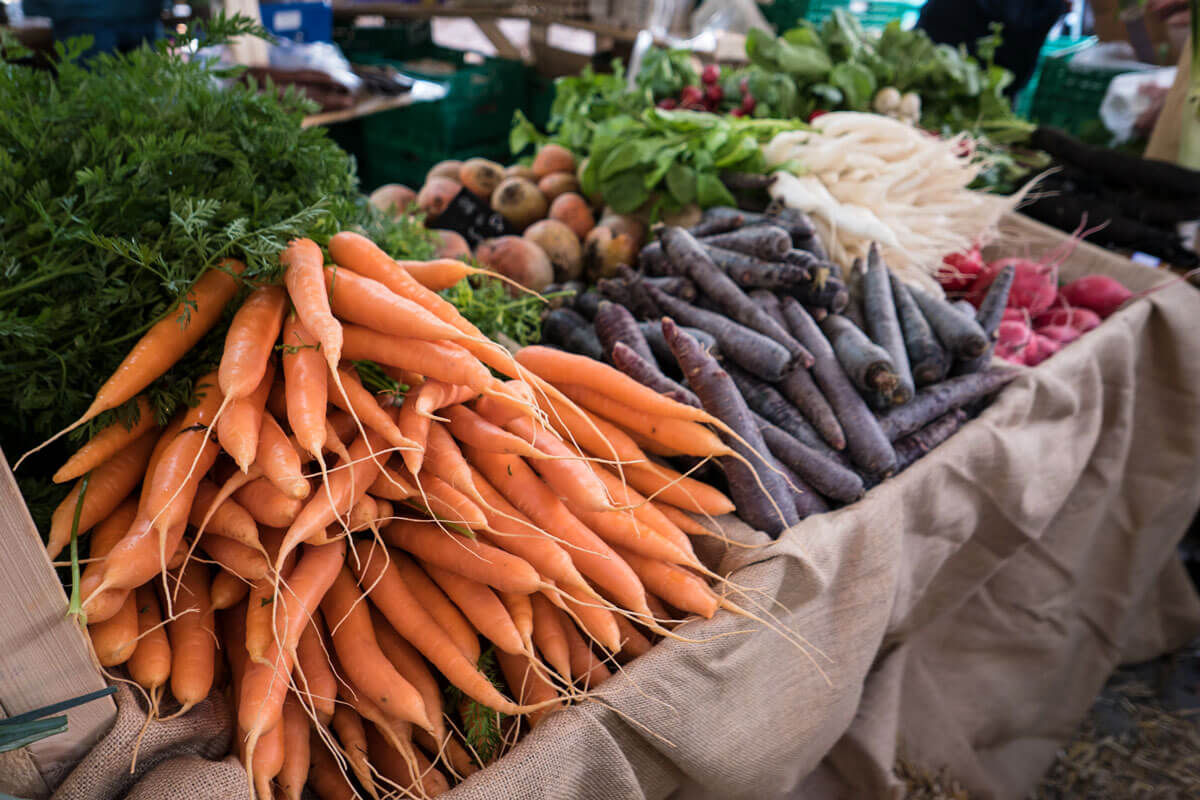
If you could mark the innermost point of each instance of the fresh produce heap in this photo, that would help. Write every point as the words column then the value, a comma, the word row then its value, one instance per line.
column 1039, row 317
column 372, row 499
column 560, row 239
column 121, row 182
column 843, row 382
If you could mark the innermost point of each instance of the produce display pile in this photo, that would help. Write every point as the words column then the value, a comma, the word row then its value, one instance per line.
column 804, row 356
column 360, row 550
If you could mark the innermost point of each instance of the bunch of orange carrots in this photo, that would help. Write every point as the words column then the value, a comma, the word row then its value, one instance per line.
column 334, row 554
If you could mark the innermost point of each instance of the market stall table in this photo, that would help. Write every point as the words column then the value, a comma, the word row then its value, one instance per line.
column 963, row 614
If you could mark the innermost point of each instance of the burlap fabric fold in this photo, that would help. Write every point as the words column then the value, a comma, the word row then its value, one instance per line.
column 964, row 613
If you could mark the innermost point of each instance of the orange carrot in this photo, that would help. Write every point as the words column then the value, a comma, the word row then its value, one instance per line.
column 521, row 611
column 566, row 473
column 648, row 515
column 314, row 676
column 512, row 531
column 425, row 592
column 325, row 778
column 267, row 761
column 409, row 663
column 471, row 559
column 169, row 339
column 396, row 768
column 114, row 639
column 109, row 484
column 592, row 433
column 440, row 273
column 363, row 301
column 293, row 772
column 514, row 479
column 440, row 360
column 279, row 460
column 305, row 279
column 107, row 443
column 228, row 519
column 668, row 486
column 267, row 505
column 633, row 643
column 681, row 519
column 682, row 436
column 682, row 589
column 527, row 683
column 192, row 632
column 586, row 668
column 103, row 539
column 150, row 664
column 277, row 399
column 548, row 635
column 227, row 590
column 481, row 606
column 343, row 488
column 348, row 726
column 304, row 379
column 249, row 341
column 359, row 653
column 560, row 367
column 600, row 623
column 363, row 405
column 392, row 596
column 444, row 501
column 246, row 563
column 470, row 428
column 392, row 486
column 239, row 427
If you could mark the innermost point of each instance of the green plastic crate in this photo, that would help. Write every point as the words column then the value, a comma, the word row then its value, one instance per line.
column 477, row 109
column 784, row 14
column 402, row 40
column 1070, row 98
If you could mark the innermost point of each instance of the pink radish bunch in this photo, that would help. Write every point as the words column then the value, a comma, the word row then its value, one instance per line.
column 1040, row 317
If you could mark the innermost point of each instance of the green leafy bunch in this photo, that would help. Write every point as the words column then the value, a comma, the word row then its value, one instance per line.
column 125, row 177
column 481, row 725
column 670, row 159
column 665, row 72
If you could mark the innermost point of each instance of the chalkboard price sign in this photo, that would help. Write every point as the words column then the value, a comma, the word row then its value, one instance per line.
column 473, row 218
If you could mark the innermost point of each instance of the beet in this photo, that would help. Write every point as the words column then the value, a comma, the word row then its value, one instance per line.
column 1099, row 293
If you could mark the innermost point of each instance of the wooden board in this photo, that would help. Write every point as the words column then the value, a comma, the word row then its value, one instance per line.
column 44, row 656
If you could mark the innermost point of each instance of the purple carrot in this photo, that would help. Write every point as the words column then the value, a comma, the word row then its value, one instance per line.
column 767, row 242
column 883, row 324
column 648, row 374
column 918, row 443
column 934, row 401
column 753, row 490
column 614, row 323
column 991, row 313
column 865, row 441
column 824, row 474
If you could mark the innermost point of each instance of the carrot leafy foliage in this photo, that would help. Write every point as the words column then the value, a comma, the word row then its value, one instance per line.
column 123, row 177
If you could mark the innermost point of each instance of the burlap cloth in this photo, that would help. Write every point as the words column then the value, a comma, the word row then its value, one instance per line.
column 965, row 612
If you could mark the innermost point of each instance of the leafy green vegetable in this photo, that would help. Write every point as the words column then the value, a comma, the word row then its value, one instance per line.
column 665, row 72
column 120, row 183
column 487, row 304
column 23, row 729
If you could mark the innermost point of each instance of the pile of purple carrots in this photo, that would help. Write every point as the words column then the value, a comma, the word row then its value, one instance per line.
column 838, row 380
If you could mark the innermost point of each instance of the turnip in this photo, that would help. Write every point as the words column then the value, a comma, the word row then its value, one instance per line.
column 562, row 247
column 517, row 258
column 393, row 199
column 572, row 210
column 480, row 176
column 437, row 194
column 553, row 158
column 450, row 244
column 520, row 202
column 557, row 183
column 1098, row 293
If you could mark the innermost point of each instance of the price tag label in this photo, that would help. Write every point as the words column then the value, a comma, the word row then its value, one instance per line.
column 473, row 218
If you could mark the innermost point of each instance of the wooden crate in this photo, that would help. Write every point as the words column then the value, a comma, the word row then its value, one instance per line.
column 44, row 655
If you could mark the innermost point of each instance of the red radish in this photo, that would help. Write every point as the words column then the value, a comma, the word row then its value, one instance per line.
column 1063, row 334
column 1099, row 293
column 959, row 270
column 1040, row 348
column 820, row 112
column 1081, row 319
column 690, row 95
column 714, row 93
column 738, row 112
column 748, row 103
column 668, row 103
column 711, row 74
column 1012, row 337
column 1032, row 288
column 1015, row 315
column 744, row 85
